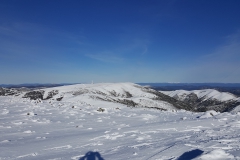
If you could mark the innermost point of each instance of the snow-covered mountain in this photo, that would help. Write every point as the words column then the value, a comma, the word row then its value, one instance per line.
column 69, row 121
column 204, row 94
column 207, row 99
column 132, row 95
column 127, row 94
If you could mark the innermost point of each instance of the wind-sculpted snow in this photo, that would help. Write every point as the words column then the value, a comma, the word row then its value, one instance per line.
column 79, row 126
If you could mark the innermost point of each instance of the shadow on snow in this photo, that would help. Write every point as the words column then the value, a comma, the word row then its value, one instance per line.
column 190, row 154
column 92, row 156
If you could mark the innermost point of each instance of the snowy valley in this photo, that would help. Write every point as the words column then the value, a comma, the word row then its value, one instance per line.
column 118, row 121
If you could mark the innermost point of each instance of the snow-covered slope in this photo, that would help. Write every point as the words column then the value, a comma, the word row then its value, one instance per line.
column 207, row 99
column 120, row 90
column 70, row 128
column 204, row 94
column 128, row 94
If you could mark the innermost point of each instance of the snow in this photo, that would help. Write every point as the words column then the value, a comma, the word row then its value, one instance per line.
column 73, row 128
column 209, row 114
column 105, row 88
column 217, row 154
column 108, row 91
column 236, row 109
column 205, row 93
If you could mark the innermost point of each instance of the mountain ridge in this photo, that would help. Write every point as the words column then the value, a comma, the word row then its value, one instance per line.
column 206, row 99
column 133, row 95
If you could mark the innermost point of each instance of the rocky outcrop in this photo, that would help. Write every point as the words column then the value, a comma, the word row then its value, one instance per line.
column 59, row 99
column 51, row 94
column 128, row 94
column 127, row 102
column 8, row 92
column 34, row 95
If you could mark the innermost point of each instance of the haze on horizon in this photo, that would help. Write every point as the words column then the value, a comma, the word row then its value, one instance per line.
column 45, row 41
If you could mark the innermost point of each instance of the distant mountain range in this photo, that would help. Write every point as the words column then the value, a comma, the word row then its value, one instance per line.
column 34, row 85
column 233, row 88
column 186, row 86
column 191, row 84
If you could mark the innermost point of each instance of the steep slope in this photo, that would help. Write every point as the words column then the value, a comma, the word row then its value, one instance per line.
column 207, row 99
column 204, row 94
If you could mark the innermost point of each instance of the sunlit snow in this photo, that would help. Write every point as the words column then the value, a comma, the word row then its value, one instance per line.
column 70, row 128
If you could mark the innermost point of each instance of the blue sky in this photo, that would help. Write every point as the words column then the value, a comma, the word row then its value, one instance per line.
column 55, row 41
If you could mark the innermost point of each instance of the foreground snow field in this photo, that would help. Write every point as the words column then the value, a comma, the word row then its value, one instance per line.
column 70, row 128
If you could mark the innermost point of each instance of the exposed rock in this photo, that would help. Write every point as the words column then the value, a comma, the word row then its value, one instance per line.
column 80, row 92
column 101, row 110
column 127, row 102
column 8, row 92
column 33, row 95
column 113, row 93
column 2, row 91
column 128, row 95
column 51, row 94
column 59, row 99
